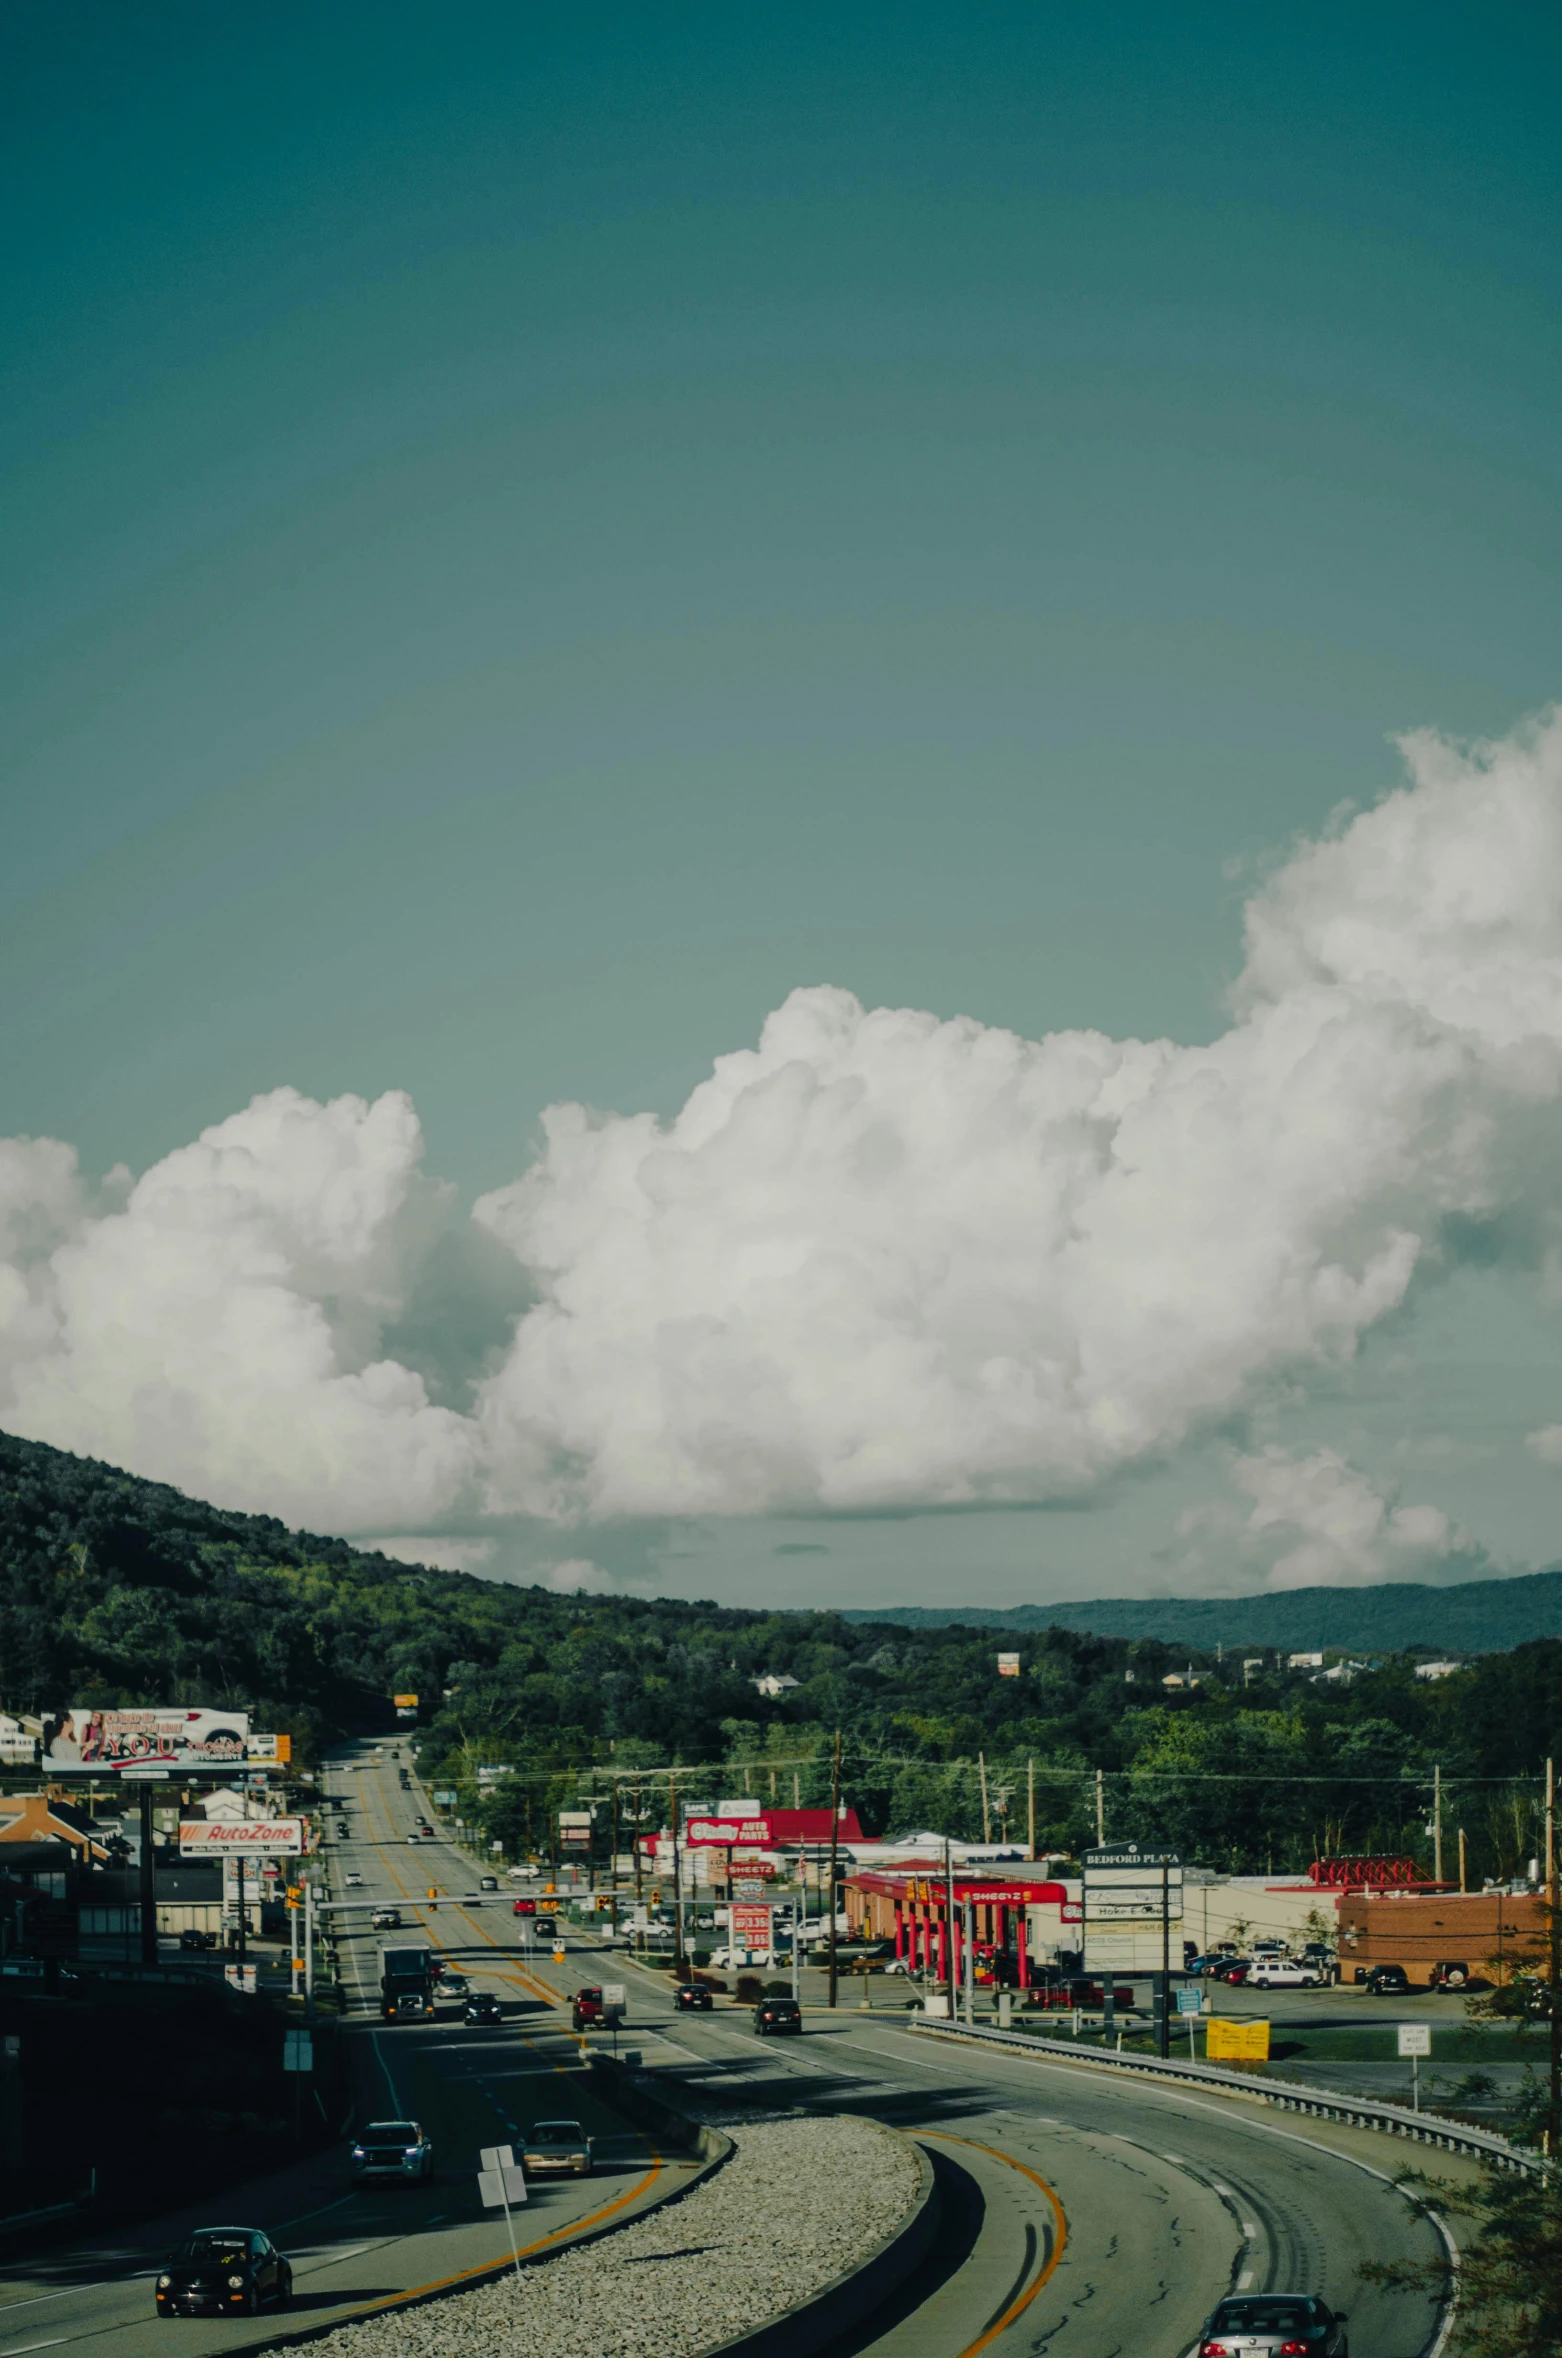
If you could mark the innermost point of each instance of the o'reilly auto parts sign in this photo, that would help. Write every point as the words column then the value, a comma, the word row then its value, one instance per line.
column 211, row 1838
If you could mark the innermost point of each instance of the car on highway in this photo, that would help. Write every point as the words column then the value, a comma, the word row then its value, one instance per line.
column 386, row 1920
column 547, row 1928
column 407, row 2006
column 692, row 1997
column 777, row 2014
column 426, row 1834
column 556, row 2149
column 353, row 1879
column 588, row 2009
column 483, row 2007
column 222, row 2272
column 527, row 1872
column 1281, row 1973
column 412, row 1838
column 191, row 1939
column 1274, row 2325
column 393, row 2149
column 487, row 1882
column 524, row 1907
column 452, row 1989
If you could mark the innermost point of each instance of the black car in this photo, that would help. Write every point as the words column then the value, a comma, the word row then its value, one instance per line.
column 223, row 2272
column 1261, row 2325
column 1388, row 1981
column 691, row 1997
column 777, row 2014
column 483, row 2007
column 197, row 1940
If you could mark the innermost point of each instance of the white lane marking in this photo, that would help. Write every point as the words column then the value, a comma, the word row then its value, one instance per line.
column 318, row 2212
column 25, row 2346
column 1250, row 2231
column 1245, row 2280
column 1223, row 2189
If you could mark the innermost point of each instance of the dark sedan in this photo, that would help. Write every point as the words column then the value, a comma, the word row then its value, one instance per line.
column 223, row 2272
column 483, row 2007
column 691, row 1997
column 777, row 2014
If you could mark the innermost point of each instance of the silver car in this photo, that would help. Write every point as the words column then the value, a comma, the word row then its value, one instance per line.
column 393, row 2149
column 557, row 2149
column 1274, row 2325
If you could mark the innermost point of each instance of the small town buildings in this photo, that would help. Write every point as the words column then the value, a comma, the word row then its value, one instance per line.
column 1494, row 1934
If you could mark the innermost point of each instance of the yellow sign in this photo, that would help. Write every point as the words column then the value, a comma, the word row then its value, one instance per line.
column 1237, row 2042
column 405, row 1702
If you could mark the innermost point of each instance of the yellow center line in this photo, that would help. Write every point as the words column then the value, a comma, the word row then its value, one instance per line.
column 1024, row 2300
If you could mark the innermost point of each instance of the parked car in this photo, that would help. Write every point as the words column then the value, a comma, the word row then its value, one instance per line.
column 483, row 2008
column 487, row 1882
column 1261, row 2325
column 777, row 2014
column 1385, row 1981
column 1281, row 1973
column 223, row 2272
column 192, row 1939
column 1453, row 1974
column 1233, row 1969
column 393, row 2149
column 692, row 1997
column 386, row 1920
column 555, row 2149
column 527, row 1872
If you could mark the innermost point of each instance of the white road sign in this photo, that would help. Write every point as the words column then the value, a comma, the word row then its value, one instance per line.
column 1415, row 2038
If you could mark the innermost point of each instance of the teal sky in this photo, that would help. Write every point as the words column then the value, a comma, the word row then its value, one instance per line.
column 530, row 534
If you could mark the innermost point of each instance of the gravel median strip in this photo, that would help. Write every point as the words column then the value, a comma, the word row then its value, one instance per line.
column 798, row 2204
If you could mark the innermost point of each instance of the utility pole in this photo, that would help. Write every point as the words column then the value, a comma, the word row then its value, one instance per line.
column 835, row 1837
column 147, row 1881
column 637, row 1842
column 1463, row 1878
column 987, row 1831
column 949, row 1929
column 1164, row 2041
column 672, row 1813
column 1030, row 1807
column 1100, row 1809
column 1437, row 1825
column 1554, row 1933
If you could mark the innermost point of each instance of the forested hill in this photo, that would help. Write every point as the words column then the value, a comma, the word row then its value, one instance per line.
column 119, row 1591
column 1470, row 1617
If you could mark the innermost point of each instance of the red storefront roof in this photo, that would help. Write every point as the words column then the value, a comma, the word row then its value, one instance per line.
column 1007, row 1887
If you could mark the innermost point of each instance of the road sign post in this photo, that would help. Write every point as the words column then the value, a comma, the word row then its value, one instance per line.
column 1415, row 2040
column 502, row 2181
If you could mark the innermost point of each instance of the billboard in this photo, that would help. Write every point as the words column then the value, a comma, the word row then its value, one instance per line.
column 1008, row 1666
column 104, row 1742
column 214, row 1838
column 1132, row 1901
column 268, row 1751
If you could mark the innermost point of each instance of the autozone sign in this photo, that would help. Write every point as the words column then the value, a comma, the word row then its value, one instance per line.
column 207, row 1838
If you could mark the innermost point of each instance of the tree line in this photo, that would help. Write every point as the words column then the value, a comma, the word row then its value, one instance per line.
column 117, row 1591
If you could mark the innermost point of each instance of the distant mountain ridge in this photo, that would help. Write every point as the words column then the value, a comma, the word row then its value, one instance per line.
column 1470, row 1617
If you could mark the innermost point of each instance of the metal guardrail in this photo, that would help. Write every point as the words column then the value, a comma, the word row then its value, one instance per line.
column 1394, row 2120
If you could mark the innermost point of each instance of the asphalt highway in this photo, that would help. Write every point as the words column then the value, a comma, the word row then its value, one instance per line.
column 1101, row 2216
column 353, row 2249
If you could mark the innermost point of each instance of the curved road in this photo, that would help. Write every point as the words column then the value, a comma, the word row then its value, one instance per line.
column 1082, row 2215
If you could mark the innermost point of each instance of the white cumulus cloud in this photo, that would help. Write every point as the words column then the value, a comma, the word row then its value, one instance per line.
column 1315, row 1521
column 878, row 1259
column 887, row 1259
